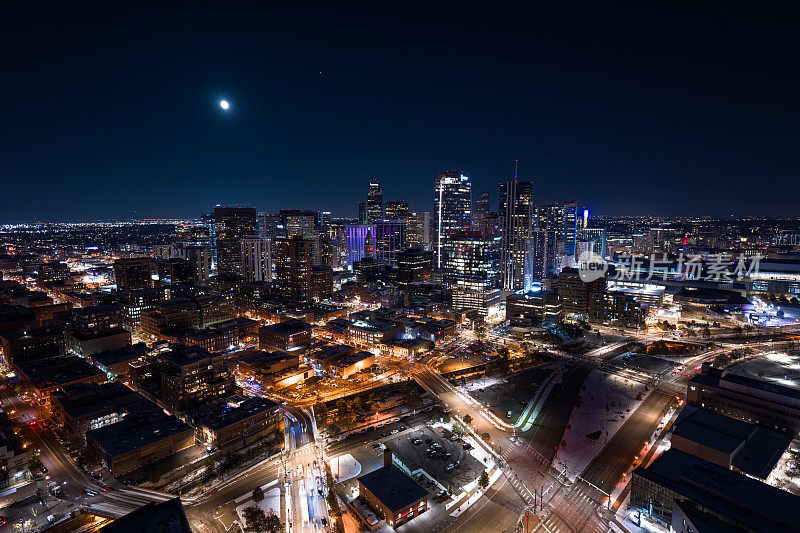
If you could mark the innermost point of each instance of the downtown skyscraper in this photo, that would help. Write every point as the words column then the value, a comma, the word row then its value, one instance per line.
column 374, row 201
column 231, row 225
column 515, row 201
column 556, row 225
column 452, row 209
column 470, row 272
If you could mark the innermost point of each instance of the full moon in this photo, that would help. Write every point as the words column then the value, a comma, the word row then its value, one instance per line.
column 224, row 104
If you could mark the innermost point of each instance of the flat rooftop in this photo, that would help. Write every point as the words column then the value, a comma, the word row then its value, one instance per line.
column 120, row 355
column 725, row 381
column 746, row 500
column 55, row 371
column 393, row 487
column 757, row 449
column 332, row 352
column 287, row 327
column 353, row 358
column 88, row 399
column 136, row 432
column 225, row 412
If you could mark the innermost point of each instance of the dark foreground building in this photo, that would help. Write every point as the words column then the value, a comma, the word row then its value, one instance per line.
column 689, row 494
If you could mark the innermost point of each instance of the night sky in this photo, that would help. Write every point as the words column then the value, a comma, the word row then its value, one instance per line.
column 112, row 112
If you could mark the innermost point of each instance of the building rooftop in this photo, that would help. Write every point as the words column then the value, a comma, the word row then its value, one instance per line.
column 85, row 399
column 219, row 414
column 393, row 487
column 136, row 432
column 353, row 358
column 756, row 450
column 745, row 500
column 739, row 383
column 55, row 371
column 120, row 355
column 332, row 352
column 182, row 355
column 287, row 327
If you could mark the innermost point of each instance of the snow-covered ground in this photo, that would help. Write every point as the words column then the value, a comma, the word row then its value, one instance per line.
column 606, row 401
column 479, row 384
column 271, row 504
column 344, row 467
column 784, row 475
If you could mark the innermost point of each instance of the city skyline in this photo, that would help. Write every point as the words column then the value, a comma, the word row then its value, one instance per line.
column 598, row 104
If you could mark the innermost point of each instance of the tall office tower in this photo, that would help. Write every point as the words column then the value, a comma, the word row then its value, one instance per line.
column 303, row 223
column 270, row 225
column 374, row 201
column 133, row 274
column 396, row 210
column 324, row 217
column 414, row 266
column 597, row 239
column 559, row 220
column 330, row 252
column 256, row 258
column 482, row 203
column 232, row 224
column 470, row 271
column 356, row 237
column 516, row 217
column 570, row 227
column 452, row 209
column 321, row 283
column 362, row 213
column 390, row 238
column 200, row 257
column 292, row 258
column 536, row 266
column 418, row 230
column 207, row 220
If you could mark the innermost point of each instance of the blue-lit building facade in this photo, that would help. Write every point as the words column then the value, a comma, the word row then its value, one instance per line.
column 356, row 237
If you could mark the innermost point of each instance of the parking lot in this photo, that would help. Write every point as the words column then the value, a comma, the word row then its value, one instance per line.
column 439, row 453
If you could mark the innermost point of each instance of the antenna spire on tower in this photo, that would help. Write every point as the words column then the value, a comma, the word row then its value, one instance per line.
column 516, row 168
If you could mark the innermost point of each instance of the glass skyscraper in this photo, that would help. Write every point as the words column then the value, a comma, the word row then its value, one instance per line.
column 452, row 209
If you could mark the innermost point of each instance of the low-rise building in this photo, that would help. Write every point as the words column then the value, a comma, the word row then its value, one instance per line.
column 86, row 343
column 48, row 375
column 761, row 402
column 234, row 422
column 138, row 440
column 733, row 444
column 405, row 348
column 686, row 493
column 351, row 364
column 392, row 493
column 16, row 481
column 117, row 362
column 167, row 516
column 82, row 407
column 534, row 309
column 288, row 336
column 32, row 343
